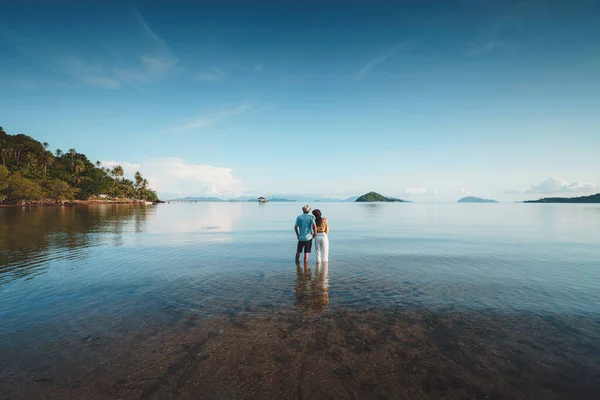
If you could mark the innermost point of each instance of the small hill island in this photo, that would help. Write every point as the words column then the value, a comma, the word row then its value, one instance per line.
column 376, row 197
column 471, row 199
column 595, row 198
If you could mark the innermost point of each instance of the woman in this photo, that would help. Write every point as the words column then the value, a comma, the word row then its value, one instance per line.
column 322, row 239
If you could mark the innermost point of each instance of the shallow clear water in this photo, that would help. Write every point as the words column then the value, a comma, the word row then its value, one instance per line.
column 79, row 266
column 453, row 300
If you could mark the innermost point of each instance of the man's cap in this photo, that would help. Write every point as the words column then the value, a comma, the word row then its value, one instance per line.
column 306, row 208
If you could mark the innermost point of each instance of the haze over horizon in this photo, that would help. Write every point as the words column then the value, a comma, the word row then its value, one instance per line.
column 419, row 100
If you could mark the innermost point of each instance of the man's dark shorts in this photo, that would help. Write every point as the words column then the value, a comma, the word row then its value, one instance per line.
column 306, row 246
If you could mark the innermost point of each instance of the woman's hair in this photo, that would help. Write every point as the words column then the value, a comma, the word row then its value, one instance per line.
column 318, row 219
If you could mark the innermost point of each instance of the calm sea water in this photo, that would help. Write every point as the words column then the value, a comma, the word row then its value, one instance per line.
column 204, row 300
column 86, row 265
column 72, row 270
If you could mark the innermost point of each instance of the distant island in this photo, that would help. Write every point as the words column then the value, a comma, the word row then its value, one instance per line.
column 376, row 197
column 595, row 198
column 236, row 200
column 193, row 198
column 472, row 199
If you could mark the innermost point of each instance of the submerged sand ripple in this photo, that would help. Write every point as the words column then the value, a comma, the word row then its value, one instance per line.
column 293, row 354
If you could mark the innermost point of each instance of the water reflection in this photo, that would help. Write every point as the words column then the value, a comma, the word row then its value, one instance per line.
column 312, row 293
column 206, row 219
column 32, row 237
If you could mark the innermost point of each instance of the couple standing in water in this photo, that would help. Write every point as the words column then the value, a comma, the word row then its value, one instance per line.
column 309, row 227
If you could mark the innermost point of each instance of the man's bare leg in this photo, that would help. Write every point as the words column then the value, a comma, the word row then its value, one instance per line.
column 305, row 258
column 297, row 257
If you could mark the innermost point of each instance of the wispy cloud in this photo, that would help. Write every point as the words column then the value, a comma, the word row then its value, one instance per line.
column 111, row 68
column 376, row 61
column 88, row 73
column 151, row 64
column 202, row 121
column 211, row 74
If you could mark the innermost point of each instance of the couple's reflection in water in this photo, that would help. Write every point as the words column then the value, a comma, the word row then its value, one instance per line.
column 312, row 292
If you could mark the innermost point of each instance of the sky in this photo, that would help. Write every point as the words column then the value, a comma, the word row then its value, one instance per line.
column 421, row 100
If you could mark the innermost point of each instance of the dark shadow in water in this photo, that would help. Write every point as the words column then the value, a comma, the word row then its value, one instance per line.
column 29, row 237
column 392, row 353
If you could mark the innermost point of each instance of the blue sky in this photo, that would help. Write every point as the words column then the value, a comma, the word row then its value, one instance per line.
column 425, row 100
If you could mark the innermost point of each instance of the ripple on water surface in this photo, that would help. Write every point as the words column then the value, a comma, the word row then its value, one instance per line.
column 477, row 290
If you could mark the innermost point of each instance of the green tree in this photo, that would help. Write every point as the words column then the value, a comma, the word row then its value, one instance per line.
column 116, row 173
column 4, row 177
column 58, row 190
column 47, row 160
column 72, row 153
column 78, row 167
column 21, row 189
column 4, row 152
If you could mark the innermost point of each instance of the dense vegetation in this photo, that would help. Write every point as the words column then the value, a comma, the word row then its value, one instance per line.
column 29, row 172
column 472, row 199
column 595, row 198
column 373, row 196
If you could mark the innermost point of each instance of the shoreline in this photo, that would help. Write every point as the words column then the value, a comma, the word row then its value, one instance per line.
column 47, row 203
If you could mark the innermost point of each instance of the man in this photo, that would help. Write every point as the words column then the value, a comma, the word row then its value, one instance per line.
column 305, row 229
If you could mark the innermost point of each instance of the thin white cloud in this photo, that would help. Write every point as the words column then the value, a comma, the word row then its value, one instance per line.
column 423, row 191
column 88, row 73
column 202, row 121
column 557, row 185
column 151, row 64
column 211, row 74
column 373, row 63
column 108, row 67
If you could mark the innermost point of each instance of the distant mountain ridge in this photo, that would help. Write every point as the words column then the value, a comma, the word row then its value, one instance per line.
column 276, row 198
column 376, row 197
column 595, row 198
column 473, row 199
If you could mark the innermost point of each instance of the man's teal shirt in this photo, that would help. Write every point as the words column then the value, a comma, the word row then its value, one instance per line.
column 304, row 223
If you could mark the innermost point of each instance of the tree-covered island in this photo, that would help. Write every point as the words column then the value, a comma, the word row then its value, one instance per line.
column 32, row 174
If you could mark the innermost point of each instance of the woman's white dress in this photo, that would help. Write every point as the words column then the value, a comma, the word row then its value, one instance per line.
column 322, row 245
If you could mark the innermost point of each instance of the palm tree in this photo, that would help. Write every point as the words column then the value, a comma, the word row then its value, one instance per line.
column 59, row 152
column 72, row 153
column 4, row 153
column 79, row 167
column 116, row 172
column 45, row 144
column 47, row 160
column 98, row 163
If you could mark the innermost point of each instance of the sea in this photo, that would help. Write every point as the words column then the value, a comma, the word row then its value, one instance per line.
column 205, row 300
